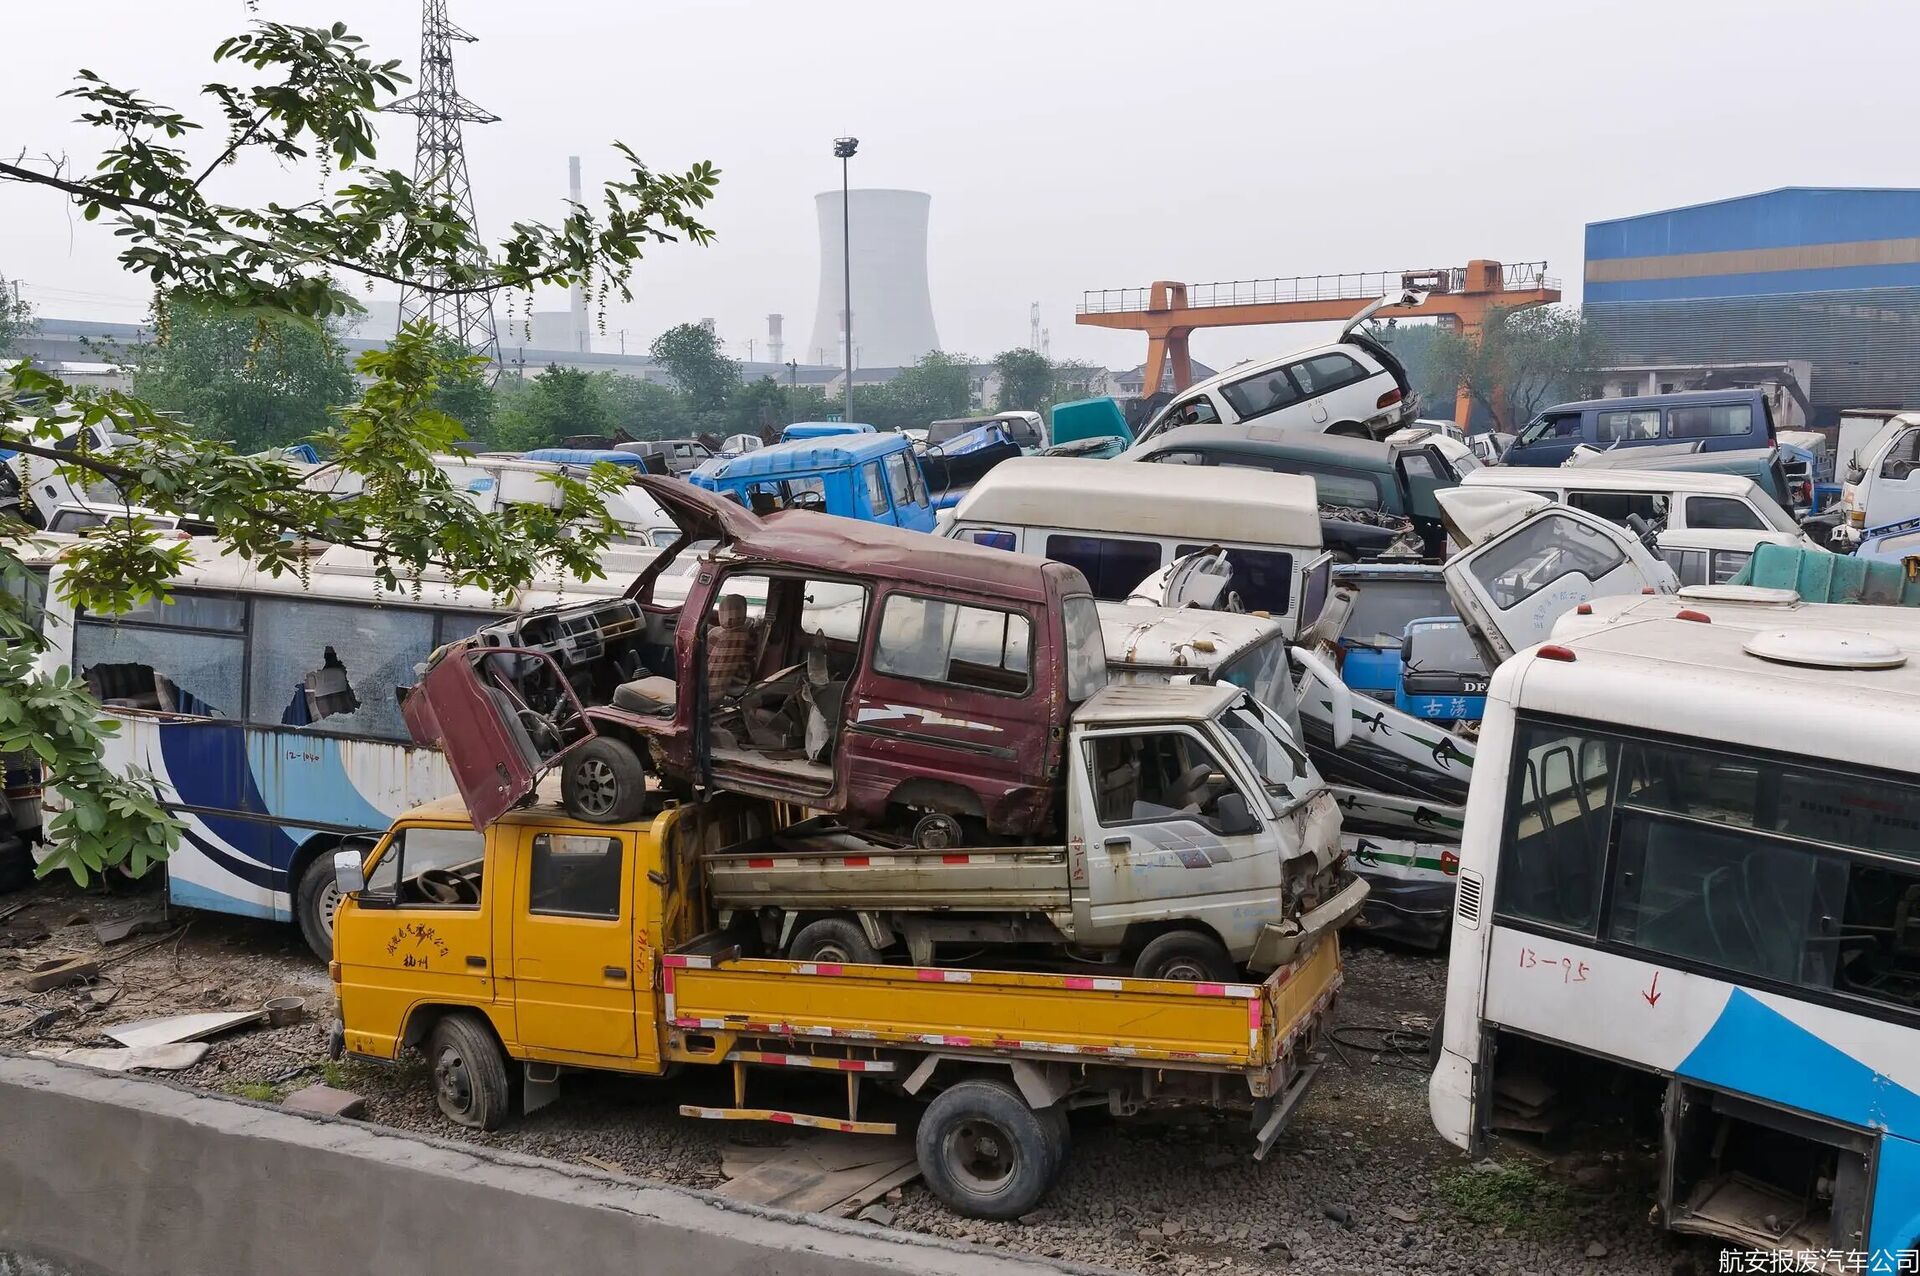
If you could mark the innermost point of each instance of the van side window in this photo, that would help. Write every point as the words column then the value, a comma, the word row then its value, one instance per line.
column 1716, row 420
column 1193, row 412
column 1723, row 512
column 932, row 640
column 1689, row 565
column 1112, row 567
column 1561, row 425
column 1902, row 457
column 1616, row 427
column 1326, row 372
column 1616, row 506
column 1261, row 393
column 1262, row 579
column 1348, row 488
column 574, row 875
column 1180, row 456
column 876, row 487
column 1156, row 777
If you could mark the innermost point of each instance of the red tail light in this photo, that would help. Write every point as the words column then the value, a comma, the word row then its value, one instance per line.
column 1554, row 652
column 1390, row 398
column 1687, row 613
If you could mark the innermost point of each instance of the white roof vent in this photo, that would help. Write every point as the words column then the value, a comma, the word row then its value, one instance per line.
column 1827, row 649
column 1753, row 595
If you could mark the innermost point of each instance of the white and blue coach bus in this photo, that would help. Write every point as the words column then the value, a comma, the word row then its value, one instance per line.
column 1689, row 911
column 267, row 711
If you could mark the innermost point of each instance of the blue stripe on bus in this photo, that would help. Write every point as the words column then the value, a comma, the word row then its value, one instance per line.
column 1754, row 1049
column 252, row 872
column 323, row 794
column 1896, row 1198
column 194, row 895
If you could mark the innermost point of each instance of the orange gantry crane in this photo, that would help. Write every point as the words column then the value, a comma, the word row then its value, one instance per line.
column 1168, row 312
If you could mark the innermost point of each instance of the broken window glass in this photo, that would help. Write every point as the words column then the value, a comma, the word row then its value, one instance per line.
column 166, row 670
column 335, row 666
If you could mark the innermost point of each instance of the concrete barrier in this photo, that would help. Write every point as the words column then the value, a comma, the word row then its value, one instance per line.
column 113, row 1176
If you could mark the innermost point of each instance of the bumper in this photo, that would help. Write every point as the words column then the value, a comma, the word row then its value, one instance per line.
column 1415, row 909
column 1281, row 942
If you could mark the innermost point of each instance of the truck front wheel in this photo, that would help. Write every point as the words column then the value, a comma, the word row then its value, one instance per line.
column 604, row 782
column 1188, row 956
column 470, row 1081
column 985, row 1153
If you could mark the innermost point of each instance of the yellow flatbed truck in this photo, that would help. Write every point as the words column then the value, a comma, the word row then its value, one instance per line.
column 545, row 944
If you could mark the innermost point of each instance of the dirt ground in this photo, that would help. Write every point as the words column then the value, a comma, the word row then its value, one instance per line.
column 1361, row 1183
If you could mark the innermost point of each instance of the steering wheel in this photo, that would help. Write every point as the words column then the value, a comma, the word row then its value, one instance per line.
column 810, row 501
column 443, row 886
column 1187, row 786
column 1645, row 530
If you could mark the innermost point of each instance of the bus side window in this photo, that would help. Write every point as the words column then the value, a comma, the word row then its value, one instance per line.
column 1554, row 849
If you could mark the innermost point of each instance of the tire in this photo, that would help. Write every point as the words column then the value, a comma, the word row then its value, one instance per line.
column 1056, row 1117
column 985, row 1153
column 315, row 901
column 938, row 832
column 604, row 782
column 1187, row 956
column 471, row 1085
column 16, row 863
column 833, row 939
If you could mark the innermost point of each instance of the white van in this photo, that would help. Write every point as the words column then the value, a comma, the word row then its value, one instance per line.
column 1686, row 501
column 1121, row 524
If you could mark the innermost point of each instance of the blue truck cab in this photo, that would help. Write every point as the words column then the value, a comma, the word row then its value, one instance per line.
column 1380, row 600
column 872, row 477
column 1713, row 420
column 1442, row 675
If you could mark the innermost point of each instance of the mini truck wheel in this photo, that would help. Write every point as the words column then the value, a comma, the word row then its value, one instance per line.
column 985, row 1153
column 604, row 782
column 470, row 1080
column 1188, row 956
column 833, row 939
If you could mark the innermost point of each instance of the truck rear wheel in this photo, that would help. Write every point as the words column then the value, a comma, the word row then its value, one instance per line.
column 470, row 1081
column 985, row 1153
column 833, row 939
column 604, row 782
column 1188, row 956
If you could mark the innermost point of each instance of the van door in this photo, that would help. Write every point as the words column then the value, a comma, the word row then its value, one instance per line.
column 1168, row 831
column 573, row 943
column 1513, row 584
column 1548, row 440
column 955, row 700
column 1893, row 487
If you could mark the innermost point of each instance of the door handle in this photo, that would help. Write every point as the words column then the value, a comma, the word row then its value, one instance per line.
column 614, row 972
column 479, row 962
column 1119, row 845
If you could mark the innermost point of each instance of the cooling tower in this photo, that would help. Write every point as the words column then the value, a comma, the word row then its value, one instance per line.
column 892, row 313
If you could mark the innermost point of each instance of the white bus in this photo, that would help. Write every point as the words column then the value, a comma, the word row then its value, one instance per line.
column 1689, row 912
column 268, row 713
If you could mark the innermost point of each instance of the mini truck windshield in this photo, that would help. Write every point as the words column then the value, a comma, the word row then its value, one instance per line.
column 1283, row 770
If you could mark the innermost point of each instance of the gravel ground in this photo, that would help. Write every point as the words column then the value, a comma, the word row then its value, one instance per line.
column 1360, row 1184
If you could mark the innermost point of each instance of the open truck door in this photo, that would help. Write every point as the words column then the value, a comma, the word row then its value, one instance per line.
column 473, row 706
column 1528, row 561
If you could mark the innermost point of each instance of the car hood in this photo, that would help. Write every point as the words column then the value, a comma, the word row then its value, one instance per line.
column 700, row 515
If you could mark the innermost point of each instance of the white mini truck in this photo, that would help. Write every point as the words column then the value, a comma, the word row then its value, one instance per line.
column 1199, row 842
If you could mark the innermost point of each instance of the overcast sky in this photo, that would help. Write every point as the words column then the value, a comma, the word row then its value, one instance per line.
column 1067, row 144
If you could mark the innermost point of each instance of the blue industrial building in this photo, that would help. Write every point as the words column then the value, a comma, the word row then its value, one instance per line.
column 1829, row 276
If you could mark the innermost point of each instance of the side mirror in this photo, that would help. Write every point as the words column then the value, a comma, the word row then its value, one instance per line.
column 1233, row 817
column 348, row 873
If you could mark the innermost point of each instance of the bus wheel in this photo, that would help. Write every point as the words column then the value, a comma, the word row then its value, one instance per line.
column 470, row 1081
column 316, row 899
column 604, row 782
column 1188, row 956
column 833, row 939
column 985, row 1153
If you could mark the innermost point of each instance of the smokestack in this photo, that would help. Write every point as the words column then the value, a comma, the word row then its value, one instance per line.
column 776, row 344
column 577, row 303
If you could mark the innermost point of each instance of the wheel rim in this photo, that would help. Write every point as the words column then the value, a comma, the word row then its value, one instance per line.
column 452, row 1085
column 936, row 833
column 1184, row 969
column 326, row 906
column 594, row 787
column 981, row 1155
column 831, row 952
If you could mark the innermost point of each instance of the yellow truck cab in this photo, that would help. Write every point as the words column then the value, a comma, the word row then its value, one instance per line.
column 550, row 943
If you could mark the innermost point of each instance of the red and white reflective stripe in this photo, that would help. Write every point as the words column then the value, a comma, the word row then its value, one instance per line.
column 820, row 968
column 1253, row 1027
column 666, row 987
column 684, row 961
column 1080, row 983
column 1241, row 991
column 927, row 976
column 779, row 1059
